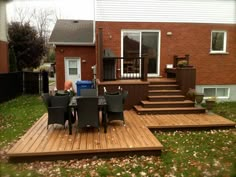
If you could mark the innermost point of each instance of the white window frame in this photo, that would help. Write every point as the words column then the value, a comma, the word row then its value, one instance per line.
column 224, row 42
column 219, row 97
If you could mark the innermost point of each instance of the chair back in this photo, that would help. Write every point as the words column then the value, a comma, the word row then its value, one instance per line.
column 88, row 113
column 60, row 101
column 46, row 99
column 58, row 110
column 114, row 103
column 125, row 95
column 88, row 92
column 61, row 93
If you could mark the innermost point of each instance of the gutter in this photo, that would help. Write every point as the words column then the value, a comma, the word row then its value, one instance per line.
column 94, row 22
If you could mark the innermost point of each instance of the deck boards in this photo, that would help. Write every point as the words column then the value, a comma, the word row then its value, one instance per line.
column 185, row 121
column 133, row 137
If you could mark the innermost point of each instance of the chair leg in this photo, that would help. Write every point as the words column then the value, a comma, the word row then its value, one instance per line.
column 124, row 123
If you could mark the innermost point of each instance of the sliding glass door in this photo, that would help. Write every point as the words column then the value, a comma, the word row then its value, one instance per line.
column 135, row 43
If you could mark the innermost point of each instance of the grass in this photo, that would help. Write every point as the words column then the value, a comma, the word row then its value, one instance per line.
column 186, row 153
column 17, row 115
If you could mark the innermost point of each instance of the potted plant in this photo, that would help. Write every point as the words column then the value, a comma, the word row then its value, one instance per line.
column 182, row 63
column 210, row 103
column 190, row 95
column 199, row 98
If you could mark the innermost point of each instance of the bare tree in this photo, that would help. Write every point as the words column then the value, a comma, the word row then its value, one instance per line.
column 22, row 15
column 42, row 19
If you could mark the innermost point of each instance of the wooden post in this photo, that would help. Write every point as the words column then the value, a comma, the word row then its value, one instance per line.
column 100, row 55
column 145, row 67
column 186, row 78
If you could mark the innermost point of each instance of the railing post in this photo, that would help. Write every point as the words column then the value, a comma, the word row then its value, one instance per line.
column 44, row 81
column 145, row 67
column 186, row 78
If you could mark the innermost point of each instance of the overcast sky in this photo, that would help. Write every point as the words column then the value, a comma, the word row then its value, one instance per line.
column 66, row 9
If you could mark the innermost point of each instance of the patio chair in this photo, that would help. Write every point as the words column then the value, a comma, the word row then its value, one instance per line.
column 88, row 112
column 88, row 92
column 58, row 111
column 124, row 94
column 115, row 104
column 116, row 92
column 46, row 99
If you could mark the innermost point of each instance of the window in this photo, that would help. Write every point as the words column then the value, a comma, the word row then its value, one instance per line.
column 72, row 67
column 216, row 92
column 218, row 41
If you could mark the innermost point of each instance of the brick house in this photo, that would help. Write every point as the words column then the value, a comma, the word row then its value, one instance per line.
column 205, row 30
column 74, row 43
column 3, row 39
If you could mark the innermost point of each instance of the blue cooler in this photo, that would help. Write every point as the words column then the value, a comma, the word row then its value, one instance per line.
column 83, row 85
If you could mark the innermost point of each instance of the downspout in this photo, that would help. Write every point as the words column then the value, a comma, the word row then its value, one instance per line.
column 94, row 22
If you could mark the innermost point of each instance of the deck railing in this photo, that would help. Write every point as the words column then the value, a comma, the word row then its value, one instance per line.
column 118, row 68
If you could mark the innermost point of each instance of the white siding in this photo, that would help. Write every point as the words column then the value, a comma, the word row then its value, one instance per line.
column 3, row 22
column 189, row 11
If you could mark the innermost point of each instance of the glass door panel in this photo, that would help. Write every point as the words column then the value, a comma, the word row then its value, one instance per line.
column 149, row 47
column 131, row 52
column 135, row 44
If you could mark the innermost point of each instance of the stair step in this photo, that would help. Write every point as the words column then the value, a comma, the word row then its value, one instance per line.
column 187, row 110
column 163, row 92
column 161, row 82
column 167, row 104
column 164, row 87
column 167, row 98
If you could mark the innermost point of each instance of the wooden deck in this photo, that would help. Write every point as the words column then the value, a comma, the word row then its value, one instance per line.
column 55, row 143
column 178, row 121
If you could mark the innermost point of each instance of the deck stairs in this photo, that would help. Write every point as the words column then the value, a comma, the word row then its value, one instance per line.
column 164, row 97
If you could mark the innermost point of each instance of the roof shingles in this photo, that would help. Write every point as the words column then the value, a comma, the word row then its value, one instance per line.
column 77, row 32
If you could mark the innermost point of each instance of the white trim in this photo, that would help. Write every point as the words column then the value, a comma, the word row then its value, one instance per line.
column 66, row 72
column 218, row 97
column 224, row 43
column 3, row 22
column 94, row 21
column 158, row 48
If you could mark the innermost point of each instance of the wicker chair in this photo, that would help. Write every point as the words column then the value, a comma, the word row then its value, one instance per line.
column 88, row 92
column 88, row 112
column 46, row 99
column 115, row 106
column 57, row 109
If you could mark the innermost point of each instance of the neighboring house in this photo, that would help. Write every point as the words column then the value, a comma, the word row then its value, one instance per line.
column 74, row 42
column 3, row 39
column 204, row 29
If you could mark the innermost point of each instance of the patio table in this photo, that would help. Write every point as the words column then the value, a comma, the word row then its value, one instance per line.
column 102, row 104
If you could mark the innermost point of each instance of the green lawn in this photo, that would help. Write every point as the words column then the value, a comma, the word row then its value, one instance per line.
column 186, row 153
column 18, row 115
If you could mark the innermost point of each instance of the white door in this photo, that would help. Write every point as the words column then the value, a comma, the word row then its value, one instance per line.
column 73, row 70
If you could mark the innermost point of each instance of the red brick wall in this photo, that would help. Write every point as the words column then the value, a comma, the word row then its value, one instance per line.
column 84, row 53
column 186, row 38
column 4, row 57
